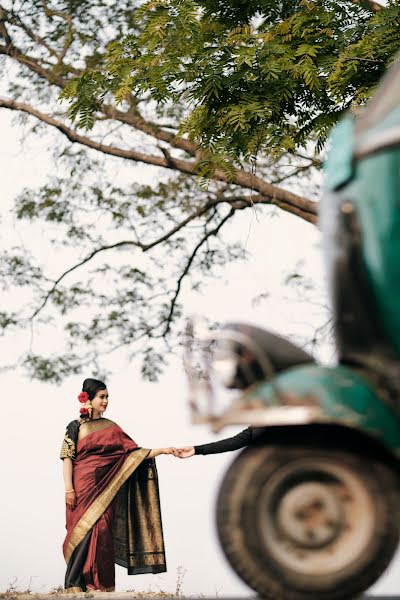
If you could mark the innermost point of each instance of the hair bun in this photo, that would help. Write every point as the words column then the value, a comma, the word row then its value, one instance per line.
column 92, row 386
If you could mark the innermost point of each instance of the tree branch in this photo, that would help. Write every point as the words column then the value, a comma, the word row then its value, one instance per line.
column 131, row 118
column 313, row 160
column 144, row 247
column 73, row 136
column 3, row 29
column 135, row 120
column 186, row 270
column 272, row 194
column 16, row 20
column 73, row 268
column 286, row 200
column 296, row 171
column 199, row 213
column 32, row 63
column 49, row 12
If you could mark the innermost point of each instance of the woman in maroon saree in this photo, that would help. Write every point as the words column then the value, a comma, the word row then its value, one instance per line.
column 113, row 508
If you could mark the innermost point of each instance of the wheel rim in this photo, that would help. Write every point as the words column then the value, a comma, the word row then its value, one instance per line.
column 316, row 517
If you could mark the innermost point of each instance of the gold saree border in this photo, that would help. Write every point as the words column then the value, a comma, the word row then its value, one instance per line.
column 92, row 426
column 99, row 505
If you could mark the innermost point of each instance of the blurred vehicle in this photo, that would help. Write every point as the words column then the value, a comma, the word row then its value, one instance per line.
column 312, row 511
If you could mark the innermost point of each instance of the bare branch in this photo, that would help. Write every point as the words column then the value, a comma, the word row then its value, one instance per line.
column 144, row 247
column 69, row 36
column 135, row 120
column 49, row 12
column 16, row 20
column 199, row 213
column 317, row 162
column 186, row 270
column 73, row 136
column 32, row 63
column 296, row 171
column 3, row 29
column 76, row 266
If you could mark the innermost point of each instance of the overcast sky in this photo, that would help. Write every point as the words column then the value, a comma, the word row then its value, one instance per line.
column 34, row 414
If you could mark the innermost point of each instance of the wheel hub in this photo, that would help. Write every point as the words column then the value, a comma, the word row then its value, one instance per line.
column 310, row 515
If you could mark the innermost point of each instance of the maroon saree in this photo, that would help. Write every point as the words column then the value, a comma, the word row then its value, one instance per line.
column 117, row 518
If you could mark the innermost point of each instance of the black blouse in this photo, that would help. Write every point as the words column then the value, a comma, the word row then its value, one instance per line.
column 247, row 437
column 70, row 441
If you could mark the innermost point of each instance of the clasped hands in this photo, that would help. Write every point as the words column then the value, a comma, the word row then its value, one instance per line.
column 185, row 452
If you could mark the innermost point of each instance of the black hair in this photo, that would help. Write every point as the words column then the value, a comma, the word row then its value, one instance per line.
column 92, row 386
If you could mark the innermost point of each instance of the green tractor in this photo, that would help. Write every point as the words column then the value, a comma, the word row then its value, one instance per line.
column 312, row 510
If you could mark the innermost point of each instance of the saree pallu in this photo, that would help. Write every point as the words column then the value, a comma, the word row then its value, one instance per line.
column 117, row 518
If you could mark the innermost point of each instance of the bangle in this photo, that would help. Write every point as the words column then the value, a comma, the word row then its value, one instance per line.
column 69, row 491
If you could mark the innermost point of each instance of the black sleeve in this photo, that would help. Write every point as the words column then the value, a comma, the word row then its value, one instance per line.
column 69, row 443
column 244, row 438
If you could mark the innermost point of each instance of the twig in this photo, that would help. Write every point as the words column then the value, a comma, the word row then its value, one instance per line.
column 144, row 247
column 186, row 270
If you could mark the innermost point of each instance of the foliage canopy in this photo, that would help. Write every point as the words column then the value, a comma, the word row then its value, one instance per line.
column 257, row 76
column 189, row 90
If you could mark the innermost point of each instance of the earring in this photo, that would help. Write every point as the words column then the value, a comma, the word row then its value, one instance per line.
column 90, row 409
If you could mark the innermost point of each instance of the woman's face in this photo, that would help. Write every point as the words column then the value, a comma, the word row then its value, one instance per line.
column 100, row 401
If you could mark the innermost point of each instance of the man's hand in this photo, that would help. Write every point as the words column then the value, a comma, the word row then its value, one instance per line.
column 185, row 452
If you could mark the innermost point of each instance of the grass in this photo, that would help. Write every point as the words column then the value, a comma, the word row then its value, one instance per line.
column 13, row 592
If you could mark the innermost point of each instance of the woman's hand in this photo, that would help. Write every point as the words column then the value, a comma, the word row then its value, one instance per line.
column 171, row 450
column 70, row 499
column 185, row 452
column 157, row 451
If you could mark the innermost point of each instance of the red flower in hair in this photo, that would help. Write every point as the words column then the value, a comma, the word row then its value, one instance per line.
column 84, row 411
column 83, row 397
